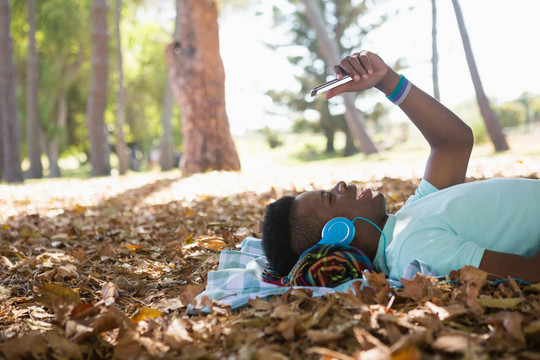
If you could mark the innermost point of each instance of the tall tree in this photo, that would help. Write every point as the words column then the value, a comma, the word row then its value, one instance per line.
column 11, row 141
column 198, row 80
column 166, row 152
column 121, row 97
column 99, row 146
column 434, row 51
column 33, row 124
column 492, row 122
column 331, row 53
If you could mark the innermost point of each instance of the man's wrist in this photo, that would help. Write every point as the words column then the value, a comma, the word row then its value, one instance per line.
column 389, row 82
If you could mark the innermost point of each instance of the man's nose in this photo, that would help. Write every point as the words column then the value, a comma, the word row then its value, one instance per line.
column 341, row 187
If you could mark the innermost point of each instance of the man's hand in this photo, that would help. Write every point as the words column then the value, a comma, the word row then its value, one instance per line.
column 366, row 68
column 450, row 139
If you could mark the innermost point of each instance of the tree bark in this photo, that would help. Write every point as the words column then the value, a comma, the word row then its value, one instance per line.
column 329, row 48
column 99, row 146
column 32, row 107
column 121, row 98
column 11, row 141
column 434, row 51
column 54, row 143
column 197, row 78
column 167, row 145
column 492, row 122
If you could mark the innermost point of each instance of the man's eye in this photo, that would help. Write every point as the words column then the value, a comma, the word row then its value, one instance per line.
column 330, row 197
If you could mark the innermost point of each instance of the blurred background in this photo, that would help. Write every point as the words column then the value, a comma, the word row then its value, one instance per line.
column 272, row 55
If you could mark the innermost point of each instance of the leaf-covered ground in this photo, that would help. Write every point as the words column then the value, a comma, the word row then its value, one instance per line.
column 106, row 268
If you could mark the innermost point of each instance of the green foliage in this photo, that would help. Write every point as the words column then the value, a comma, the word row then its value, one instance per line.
column 271, row 138
column 511, row 114
column 145, row 72
column 470, row 113
column 303, row 125
column 479, row 131
column 64, row 46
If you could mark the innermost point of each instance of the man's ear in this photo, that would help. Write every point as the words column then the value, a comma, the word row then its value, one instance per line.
column 338, row 231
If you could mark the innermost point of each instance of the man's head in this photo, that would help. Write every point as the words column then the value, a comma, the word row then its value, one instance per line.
column 293, row 225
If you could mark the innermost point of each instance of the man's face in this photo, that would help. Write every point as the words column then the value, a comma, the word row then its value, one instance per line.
column 343, row 201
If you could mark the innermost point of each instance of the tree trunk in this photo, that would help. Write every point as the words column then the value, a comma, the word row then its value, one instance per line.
column 54, row 143
column 11, row 140
column 434, row 51
column 329, row 48
column 167, row 146
column 330, row 135
column 121, row 99
column 32, row 107
column 492, row 122
column 99, row 147
column 197, row 78
column 350, row 148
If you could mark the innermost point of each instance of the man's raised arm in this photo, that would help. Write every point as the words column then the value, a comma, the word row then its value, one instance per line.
column 450, row 139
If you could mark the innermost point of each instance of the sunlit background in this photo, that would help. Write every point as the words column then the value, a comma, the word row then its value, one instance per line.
column 503, row 35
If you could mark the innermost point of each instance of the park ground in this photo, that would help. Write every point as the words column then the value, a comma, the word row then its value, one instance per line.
column 106, row 267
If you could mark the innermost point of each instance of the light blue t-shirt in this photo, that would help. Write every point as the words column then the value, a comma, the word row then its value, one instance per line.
column 450, row 228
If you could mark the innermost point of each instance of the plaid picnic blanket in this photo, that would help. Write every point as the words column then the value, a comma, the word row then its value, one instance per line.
column 239, row 277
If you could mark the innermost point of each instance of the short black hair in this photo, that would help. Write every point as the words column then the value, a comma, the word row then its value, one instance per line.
column 305, row 229
column 277, row 237
column 286, row 234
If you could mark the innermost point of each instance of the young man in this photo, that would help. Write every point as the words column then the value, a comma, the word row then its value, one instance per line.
column 493, row 225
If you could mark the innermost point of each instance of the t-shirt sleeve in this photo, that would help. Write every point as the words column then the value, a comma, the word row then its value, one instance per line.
column 424, row 188
column 442, row 250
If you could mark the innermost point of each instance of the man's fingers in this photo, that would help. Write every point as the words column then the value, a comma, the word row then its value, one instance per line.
column 357, row 66
column 338, row 72
column 359, row 69
column 366, row 63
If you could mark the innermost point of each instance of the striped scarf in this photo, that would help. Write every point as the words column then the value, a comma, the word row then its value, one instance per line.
column 324, row 265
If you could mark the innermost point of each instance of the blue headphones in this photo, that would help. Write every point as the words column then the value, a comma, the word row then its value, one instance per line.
column 340, row 231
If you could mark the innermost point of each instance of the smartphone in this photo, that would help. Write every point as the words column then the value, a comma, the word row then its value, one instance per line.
column 330, row 85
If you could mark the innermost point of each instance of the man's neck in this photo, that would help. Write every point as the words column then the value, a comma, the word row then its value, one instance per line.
column 369, row 242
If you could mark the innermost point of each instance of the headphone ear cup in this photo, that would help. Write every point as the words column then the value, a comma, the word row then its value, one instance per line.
column 338, row 231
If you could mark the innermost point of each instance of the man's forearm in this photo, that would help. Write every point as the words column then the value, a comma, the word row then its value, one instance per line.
column 450, row 139
column 516, row 266
column 440, row 126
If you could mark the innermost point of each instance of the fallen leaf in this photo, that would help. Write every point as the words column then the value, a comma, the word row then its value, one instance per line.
column 508, row 326
column 497, row 303
column 4, row 292
column 51, row 291
column 409, row 353
column 453, row 343
column 322, row 336
column 212, row 243
column 109, row 291
column 446, row 312
column 146, row 313
column 328, row 353
column 177, row 335
column 66, row 271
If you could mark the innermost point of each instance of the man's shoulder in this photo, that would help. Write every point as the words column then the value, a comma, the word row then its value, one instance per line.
column 424, row 189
